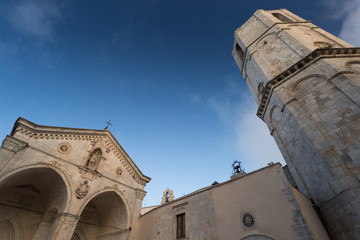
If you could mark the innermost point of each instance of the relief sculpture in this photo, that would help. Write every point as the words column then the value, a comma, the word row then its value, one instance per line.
column 94, row 159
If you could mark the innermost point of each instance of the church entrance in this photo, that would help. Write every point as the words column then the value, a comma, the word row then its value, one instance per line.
column 29, row 201
column 104, row 217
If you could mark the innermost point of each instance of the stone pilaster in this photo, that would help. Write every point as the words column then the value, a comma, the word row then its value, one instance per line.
column 63, row 227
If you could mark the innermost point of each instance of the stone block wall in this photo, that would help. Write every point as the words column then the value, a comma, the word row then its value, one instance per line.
column 307, row 85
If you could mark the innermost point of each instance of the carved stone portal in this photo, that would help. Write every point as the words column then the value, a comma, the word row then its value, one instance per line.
column 82, row 190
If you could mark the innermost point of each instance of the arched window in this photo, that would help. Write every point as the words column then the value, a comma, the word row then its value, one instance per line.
column 282, row 17
column 239, row 52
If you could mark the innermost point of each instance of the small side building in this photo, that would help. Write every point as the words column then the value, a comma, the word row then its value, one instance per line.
column 261, row 205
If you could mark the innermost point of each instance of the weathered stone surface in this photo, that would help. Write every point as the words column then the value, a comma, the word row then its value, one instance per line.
column 259, row 205
column 64, row 183
column 310, row 103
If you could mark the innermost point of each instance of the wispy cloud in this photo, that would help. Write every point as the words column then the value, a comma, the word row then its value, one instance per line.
column 350, row 31
column 195, row 98
column 349, row 11
column 253, row 138
column 35, row 18
column 237, row 110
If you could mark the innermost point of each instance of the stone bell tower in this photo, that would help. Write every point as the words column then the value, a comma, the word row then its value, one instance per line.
column 306, row 83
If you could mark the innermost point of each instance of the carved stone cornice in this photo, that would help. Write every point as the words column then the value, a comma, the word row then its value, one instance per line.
column 32, row 130
column 299, row 66
column 13, row 144
column 140, row 194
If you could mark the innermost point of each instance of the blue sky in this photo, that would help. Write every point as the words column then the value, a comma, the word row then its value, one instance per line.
column 162, row 71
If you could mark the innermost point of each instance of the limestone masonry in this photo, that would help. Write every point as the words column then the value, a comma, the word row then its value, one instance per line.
column 60, row 183
column 306, row 84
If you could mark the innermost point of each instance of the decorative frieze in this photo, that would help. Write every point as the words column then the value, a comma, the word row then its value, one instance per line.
column 306, row 61
column 94, row 139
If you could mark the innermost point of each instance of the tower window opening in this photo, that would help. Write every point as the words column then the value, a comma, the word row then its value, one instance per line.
column 282, row 17
column 239, row 52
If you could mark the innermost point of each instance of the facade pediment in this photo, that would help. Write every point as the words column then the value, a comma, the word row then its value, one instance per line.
column 89, row 148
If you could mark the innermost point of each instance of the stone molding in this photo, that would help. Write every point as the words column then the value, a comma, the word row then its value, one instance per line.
column 44, row 132
column 13, row 144
column 140, row 194
column 299, row 66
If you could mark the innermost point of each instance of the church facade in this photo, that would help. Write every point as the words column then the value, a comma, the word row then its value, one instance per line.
column 65, row 183
column 79, row 184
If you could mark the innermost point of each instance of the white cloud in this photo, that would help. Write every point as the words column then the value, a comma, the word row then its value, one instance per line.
column 350, row 31
column 349, row 11
column 35, row 18
column 252, row 139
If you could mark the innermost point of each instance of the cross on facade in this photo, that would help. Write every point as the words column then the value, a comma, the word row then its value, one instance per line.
column 108, row 124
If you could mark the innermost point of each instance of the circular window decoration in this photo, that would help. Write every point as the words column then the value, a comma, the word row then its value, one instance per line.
column 64, row 147
column 248, row 220
column 119, row 171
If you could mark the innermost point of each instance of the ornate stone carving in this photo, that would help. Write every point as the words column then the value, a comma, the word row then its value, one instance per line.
column 248, row 221
column 66, row 224
column 319, row 44
column 82, row 190
column 87, row 174
column 64, row 147
column 94, row 159
column 119, row 171
column 94, row 139
column 261, row 88
column 140, row 194
column 13, row 144
column 94, row 142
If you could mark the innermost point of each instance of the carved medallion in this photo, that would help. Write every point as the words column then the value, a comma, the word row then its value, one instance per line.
column 64, row 147
column 248, row 220
column 82, row 190
column 119, row 171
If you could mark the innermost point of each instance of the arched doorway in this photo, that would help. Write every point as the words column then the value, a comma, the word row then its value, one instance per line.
column 33, row 195
column 105, row 215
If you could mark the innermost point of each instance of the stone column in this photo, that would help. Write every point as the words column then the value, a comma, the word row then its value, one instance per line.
column 63, row 227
